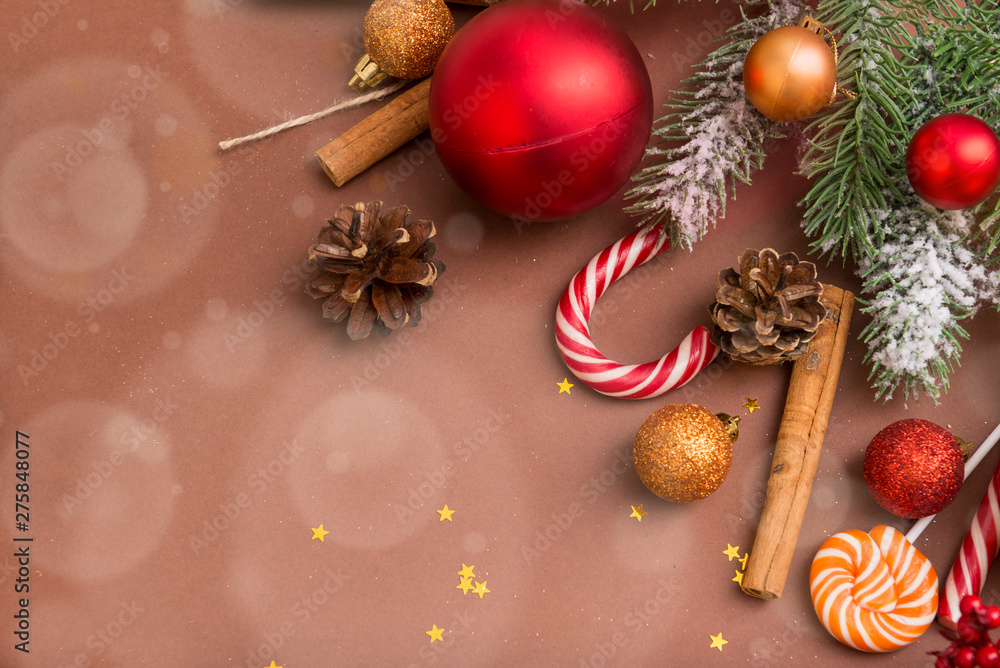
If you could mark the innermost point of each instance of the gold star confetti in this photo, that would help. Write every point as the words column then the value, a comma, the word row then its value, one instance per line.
column 466, row 585
column 637, row 513
column 732, row 552
column 466, row 572
column 564, row 386
column 435, row 633
column 318, row 533
column 743, row 561
column 739, row 578
column 717, row 641
column 751, row 405
column 445, row 513
column 272, row 665
column 481, row 589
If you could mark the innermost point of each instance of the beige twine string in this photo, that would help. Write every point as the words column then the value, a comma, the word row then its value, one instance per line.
column 302, row 120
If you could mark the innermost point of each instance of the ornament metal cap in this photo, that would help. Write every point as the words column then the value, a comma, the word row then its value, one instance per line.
column 367, row 74
column 966, row 448
column 731, row 423
column 811, row 24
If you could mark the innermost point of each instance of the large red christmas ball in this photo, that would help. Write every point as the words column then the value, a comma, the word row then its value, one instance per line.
column 953, row 161
column 540, row 109
column 914, row 468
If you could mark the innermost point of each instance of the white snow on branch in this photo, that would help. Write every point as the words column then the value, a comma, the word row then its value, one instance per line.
column 925, row 280
column 723, row 137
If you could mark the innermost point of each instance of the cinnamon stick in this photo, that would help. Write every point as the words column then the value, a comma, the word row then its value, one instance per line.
column 796, row 454
column 377, row 136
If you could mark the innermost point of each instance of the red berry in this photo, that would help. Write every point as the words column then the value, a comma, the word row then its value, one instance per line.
column 992, row 615
column 970, row 605
column 987, row 656
column 965, row 657
column 942, row 662
column 968, row 632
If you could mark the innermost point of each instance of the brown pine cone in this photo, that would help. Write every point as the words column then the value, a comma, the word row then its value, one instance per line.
column 373, row 268
column 769, row 311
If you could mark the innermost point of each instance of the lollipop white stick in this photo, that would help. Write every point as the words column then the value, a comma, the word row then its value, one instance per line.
column 970, row 466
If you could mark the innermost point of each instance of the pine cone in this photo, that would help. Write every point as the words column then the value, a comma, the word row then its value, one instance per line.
column 769, row 311
column 373, row 268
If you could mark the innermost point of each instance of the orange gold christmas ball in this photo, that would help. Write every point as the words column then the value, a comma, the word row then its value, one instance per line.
column 682, row 452
column 790, row 74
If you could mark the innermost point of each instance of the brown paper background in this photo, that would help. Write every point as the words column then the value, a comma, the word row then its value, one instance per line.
column 172, row 405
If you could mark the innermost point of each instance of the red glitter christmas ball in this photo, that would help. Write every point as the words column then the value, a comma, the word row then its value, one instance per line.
column 914, row 468
column 540, row 109
column 953, row 161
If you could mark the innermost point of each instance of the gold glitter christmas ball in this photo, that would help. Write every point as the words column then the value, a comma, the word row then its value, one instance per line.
column 682, row 452
column 406, row 37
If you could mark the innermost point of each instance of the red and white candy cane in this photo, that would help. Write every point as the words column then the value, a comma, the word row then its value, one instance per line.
column 979, row 550
column 626, row 381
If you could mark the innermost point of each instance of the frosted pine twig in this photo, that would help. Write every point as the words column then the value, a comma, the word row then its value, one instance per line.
column 710, row 138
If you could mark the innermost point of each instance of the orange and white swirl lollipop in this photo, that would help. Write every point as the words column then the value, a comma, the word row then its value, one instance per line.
column 873, row 591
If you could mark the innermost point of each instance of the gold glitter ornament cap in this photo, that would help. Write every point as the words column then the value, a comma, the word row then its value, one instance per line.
column 403, row 39
column 731, row 423
column 966, row 448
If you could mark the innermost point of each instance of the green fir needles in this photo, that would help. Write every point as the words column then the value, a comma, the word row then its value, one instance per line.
column 925, row 271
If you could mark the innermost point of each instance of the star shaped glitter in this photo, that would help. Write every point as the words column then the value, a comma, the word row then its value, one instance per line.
column 435, row 633
column 717, row 641
column 273, row 665
column 750, row 404
column 465, row 585
column 739, row 578
column 481, row 589
column 743, row 561
column 732, row 552
column 317, row 533
column 637, row 513
column 445, row 513
column 564, row 386
column 466, row 572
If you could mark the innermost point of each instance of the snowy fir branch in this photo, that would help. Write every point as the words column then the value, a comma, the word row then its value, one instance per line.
column 925, row 271
column 710, row 138
column 925, row 281
column 923, row 276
